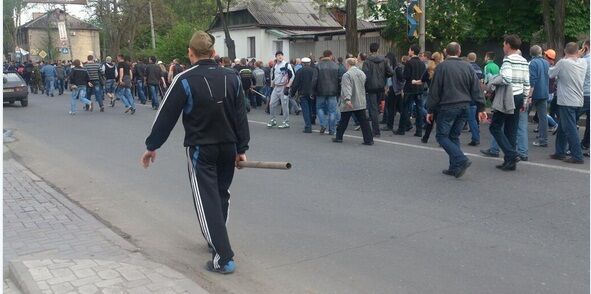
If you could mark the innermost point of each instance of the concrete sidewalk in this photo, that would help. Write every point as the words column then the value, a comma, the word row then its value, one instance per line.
column 53, row 246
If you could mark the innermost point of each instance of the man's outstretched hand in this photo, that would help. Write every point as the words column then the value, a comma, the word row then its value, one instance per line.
column 240, row 157
column 147, row 157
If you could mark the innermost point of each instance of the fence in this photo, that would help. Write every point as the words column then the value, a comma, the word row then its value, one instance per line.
column 338, row 47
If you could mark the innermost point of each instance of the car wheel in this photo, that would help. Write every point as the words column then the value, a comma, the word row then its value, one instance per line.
column 24, row 102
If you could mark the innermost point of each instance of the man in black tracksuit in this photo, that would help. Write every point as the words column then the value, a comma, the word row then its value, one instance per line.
column 413, row 71
column 211, row 100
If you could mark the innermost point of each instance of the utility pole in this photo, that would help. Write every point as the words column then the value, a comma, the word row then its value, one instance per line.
column 152, row 26
column 422, row 26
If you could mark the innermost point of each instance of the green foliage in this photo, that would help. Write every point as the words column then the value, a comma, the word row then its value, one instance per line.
column 175, row 43
column 576, row 23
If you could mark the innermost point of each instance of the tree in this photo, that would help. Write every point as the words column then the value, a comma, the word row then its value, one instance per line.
column 12, row 11
column 351, row 27
column 229, row 42
column 554, row 23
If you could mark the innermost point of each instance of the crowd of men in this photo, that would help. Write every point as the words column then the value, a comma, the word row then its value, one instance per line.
column 414, row 86
column 121, row 80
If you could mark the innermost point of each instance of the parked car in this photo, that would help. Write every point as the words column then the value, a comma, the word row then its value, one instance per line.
column 15, row 88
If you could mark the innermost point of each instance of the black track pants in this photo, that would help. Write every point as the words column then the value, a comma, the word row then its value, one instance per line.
column 211, row 169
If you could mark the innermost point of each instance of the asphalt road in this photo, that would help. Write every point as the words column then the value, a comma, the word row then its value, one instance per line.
column 346, row 219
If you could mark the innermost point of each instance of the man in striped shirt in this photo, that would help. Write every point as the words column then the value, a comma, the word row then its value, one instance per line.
column 515, row 73
column 95, row 74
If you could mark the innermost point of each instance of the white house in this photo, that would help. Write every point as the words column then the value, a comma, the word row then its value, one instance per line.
column 259, row 28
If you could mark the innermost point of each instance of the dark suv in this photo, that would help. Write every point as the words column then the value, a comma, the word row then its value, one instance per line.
column 15, row 88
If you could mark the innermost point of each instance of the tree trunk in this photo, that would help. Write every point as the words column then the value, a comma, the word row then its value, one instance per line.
column 554, row 24
column 229, row 42
column 351, row 27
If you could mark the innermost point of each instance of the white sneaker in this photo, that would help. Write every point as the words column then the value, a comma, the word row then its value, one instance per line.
column 72, row 113
column 284, row 126
column 271, row 123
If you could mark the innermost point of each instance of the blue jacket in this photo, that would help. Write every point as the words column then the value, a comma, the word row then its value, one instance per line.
column 539, row 78
column 49, row 71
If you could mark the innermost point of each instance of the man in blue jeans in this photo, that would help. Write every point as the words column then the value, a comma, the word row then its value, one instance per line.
column 153, row 75
column 327, row 89
column 49, row 74
column 453, row 88
column 304, row 84
column 570, row 73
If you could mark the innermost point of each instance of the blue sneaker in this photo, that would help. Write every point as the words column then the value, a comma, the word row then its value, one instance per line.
column 226, row 269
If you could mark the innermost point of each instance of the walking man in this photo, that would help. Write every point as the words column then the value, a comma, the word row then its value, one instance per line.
column 304, row 84
column 79, row 80
column 110, row 73
column 210, row 99
column 124, row 85
column 282, row 76
column 377, row 69
column 454, row 87
column 60, row 76
column 540, row 88
column 96, row 77
column 570, row 77
column 414, row 69
column 153, row 76
column 353, row 102
column 327, row 90
column 514, row 72
column 49, row 75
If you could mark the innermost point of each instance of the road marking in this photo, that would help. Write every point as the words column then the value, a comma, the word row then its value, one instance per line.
column 583, row 171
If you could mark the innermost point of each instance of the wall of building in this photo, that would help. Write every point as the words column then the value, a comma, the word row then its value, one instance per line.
column 264, row 43
column 83, row 43
column 337, row 44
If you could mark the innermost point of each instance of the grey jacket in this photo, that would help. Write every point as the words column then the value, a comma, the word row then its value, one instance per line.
column 503, row 100
column 353, row 89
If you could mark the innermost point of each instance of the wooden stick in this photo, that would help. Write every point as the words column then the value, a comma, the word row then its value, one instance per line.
column 265, row 164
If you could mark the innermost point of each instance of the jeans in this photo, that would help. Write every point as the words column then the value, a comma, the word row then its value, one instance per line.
column 49, row 85
column 154, row 92
column 542, row 109
column 78, row 93
column 504, row 129
column 327, row 107
column 450, row 122
column 473, row 123
column 306, row 111
column 585, row 110
column 567, row 133
column 139, row 85
column 124, row 94
column 97, row 90
column 109, row 86
column 522, row 141
column 406, row 109
column 344, row 122
column 278, row 99
column 374, row 112
column 60, row 86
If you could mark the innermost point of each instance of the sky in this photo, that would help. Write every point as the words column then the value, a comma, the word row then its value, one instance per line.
column 79, row 11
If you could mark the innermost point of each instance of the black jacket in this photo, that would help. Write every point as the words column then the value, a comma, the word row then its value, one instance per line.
column 454, row 85
column 305, row 81
column 413, row 70
column 377, row 69
column 328, row 78
column 211, row 100
column 153, row 74
column 79, row 77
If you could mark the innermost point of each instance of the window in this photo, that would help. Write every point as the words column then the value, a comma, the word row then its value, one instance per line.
column 251, row 47
column 278, row 45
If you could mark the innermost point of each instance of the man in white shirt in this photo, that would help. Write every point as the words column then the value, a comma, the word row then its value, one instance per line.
column 281, row 78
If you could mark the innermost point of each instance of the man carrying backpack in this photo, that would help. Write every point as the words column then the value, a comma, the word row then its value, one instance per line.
column 248, row 81
column 377, row 69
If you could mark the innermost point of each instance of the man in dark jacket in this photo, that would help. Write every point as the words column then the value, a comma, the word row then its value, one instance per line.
column 413, row 71
column 139, row 73
column 304, row 84
column 454, row 87
column 327, row 90
column 210, row 99
column 153, row 77
column 377, row 69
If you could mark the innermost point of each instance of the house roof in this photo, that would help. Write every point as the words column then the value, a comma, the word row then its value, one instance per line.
column 50, row 19
column 362, row 26
column 292, row 14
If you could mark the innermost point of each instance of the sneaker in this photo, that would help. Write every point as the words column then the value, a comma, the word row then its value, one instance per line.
column 488, row 153
column 536, row 130
column 417, row 134
column 102, row 109
column 538, row 144
column 331, row 133
column 132, row 111
column 72, row 112
column 307, row 131
column 226, row 269
column 448, row 172
column 128, row 109
column 399, row 133
column 367, row 143
column 424, row 140
column 91, row 107
column 376, row 135
column 271, row 123
column 86, row 107
column 357, row 128
column 557, row 157
column 523, row 158
column 112, row 102
column 473, row 143
column 553, row 129
column 335, row 140
column 322, row 130
column 284, row 126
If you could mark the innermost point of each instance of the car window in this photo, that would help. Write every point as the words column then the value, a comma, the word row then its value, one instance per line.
column 11, row 78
